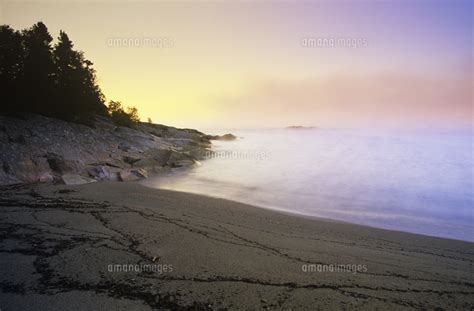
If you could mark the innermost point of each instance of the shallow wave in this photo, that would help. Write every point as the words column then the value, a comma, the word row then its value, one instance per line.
column 417, row 182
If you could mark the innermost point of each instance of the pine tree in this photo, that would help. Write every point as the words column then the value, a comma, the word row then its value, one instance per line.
column 66, row 99
column 94, row 97
column 11, row 67
column 79, row 97
column 37, row 78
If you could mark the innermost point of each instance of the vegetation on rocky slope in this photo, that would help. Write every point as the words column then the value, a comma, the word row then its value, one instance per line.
column 54, row 80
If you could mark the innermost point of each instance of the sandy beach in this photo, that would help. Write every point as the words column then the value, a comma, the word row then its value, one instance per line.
column 122, row 246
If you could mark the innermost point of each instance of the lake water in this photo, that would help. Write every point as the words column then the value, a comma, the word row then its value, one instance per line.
column 419, row 182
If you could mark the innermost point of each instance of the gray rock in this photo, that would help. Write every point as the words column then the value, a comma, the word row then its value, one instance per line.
column 141, row 173
column 177, row 158
column 154, row 159
column 25, row 170
column 131, row 160
column 46, row 177
column 71, row 179
column 60, row 165
column 36, row 148
column 101, row 172
column 127, row 175
column 184, row 163
column 20, row 139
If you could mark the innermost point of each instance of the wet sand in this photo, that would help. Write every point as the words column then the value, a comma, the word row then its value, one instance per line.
column 66, row 247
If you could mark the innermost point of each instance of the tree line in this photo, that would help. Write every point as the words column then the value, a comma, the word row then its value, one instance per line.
column 54, row 80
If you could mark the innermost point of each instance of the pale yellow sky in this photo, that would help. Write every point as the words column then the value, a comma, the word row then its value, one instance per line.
column 242, row 64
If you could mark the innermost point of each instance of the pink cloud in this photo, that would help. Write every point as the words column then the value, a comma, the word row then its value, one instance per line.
column 350, row 100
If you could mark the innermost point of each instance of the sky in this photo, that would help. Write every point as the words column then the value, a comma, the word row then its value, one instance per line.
column 240, row 64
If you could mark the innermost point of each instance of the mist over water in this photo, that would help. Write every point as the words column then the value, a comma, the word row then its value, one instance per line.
column 420, row 182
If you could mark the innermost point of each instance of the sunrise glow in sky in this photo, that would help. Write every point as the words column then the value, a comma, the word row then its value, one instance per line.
column 246, row 64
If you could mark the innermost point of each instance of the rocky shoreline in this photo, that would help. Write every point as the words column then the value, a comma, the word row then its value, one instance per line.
column 35, row 148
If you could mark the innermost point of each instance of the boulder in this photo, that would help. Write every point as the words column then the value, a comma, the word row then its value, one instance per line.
column 46, row 177
column 27, row 170
column 72, row 179
column 132, row 175
column 141, row 173
column 154, row 159
column 184, row 163
column 7, row 179
column 178, row 158
column 60, row 165
column 201, row 153
column 103, row 172
column 98, row 172
column 130, row 160
column 113, row 162
column 162, row 155
column 148, row 163
column 127, row 176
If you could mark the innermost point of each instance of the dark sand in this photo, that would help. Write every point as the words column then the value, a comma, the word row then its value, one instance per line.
column 58, row 243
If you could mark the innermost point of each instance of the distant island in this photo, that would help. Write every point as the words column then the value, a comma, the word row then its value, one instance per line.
column 300, row 127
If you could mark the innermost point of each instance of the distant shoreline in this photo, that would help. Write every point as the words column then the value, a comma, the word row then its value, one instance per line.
column 300, row 127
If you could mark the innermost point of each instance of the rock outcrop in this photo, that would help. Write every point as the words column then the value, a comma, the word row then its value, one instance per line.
column 226, row 137
column 36, row 148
